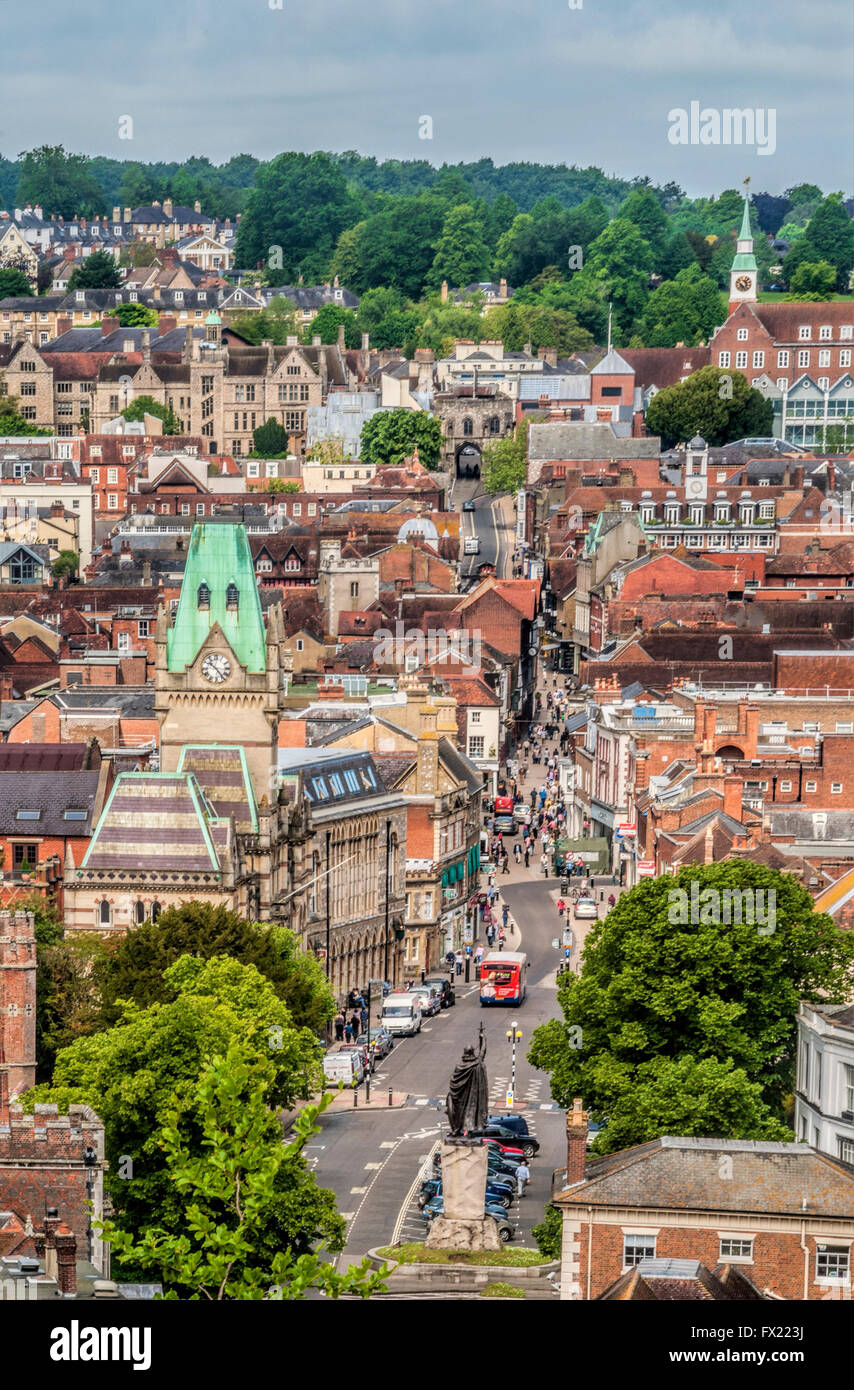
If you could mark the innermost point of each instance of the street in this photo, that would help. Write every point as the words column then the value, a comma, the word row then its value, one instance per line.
column 489, row 523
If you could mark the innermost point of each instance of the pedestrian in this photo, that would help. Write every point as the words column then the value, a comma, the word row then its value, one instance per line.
column 458, row 960
column 348, row 1031
column 339, row 1026
column 449, row 960
column 561, row 907
column 523, row 1176
column 356, row 1025
column 544, row 863
column 517, row 851
column 527, row 855
column 363, row 1015
column 505, row 863
column 505, row 915
column 478, row 955
column 611, row 900
column 501, row 938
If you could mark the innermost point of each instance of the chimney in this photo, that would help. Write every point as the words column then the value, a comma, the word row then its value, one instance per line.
column 576, row 1143
column 342, row 345
column 64, row 325
column 117, row 214
column 798, row 476
column 316, row 340
column 187, row 354
column 444, row 293
column 366, row 342
column 732, row 796
column 108, row 326
column 197, row 207
column 167, row 323
column 502, row 288
column 127, row 215
column 167, row 207
column 335, row 282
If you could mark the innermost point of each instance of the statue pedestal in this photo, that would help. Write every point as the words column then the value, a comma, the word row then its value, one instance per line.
column 463, row 1225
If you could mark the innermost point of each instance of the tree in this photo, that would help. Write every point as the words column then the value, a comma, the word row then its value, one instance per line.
column 219, row 1249
column 645, row 212
column 462, row 254
column 684, row 310
column 541, row 325
column 147, row 405
column 97, row 271
column 136, row 189
column 390, row 436
column 504, row 462
column 275, row 324
column 620, row 263
column 678, row 254
column 718, row 404
column 688, row 1026
column 813, row 280
column 14, row 282
column 59, row 183
column 66, row 993
column 830, row 237
column 280, row 485
column 393, row 247
column 151, row 1063
column 298, row 207
column 134, row 969
column 329, row 452
column 134, row 316
column 67, row 563
column 771, row 212
column 548, row 1234
column 270, row 440
column 327, row 321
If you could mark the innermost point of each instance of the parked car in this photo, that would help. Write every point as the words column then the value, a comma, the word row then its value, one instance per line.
column 496, row 1166
column 428, row 997
column 381, row 1042
column 585, row 907
column 498, row 1193
column 435, row 1207
column 500, row 1146
column 514, row 1122
column 469, row 506
column 361, row 1050
column 526, row 1142
column 447, row 997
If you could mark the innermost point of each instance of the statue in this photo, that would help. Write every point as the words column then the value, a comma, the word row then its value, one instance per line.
column 467, row 1101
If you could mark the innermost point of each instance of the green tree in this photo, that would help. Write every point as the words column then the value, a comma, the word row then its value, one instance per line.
column 327, row 321
column 147, row 405
column 67, row 997
column 689, row 1026
column 136, row 189
column 645, row 212
column 14, row 282
column 391, row 436
column 548, row 1234
column 98, row 271
column 270, row 440
column 134, row 969
column 678, row 254
column 504, row 462
column 518, row 255
column 813, row 280
column 134, row 316
column 220, row 1248
column 59, row 183
column 298, row 207
column 67, row 563
column 684, row 310
column 275, row 324
column 830, row 237
column 462, row 254
column 393, row 247
column 718, row 404
column 619, row 264
column 136, row 1072
column 541, row 325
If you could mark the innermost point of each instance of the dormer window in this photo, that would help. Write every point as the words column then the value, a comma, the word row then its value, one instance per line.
column 232, row 596
column 203, row 597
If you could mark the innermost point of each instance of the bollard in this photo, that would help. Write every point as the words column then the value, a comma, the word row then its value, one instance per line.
column 355, row 1099
column 368, row 1089
column 390, row 1095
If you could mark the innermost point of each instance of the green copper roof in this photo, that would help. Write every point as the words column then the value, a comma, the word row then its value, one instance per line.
column 745, row 260
column 218, row 556
column 745, row 234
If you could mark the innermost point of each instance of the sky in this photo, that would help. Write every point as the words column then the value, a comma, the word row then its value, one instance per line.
column 531, row 80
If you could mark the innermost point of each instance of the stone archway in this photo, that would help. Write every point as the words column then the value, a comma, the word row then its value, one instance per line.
column 468, row 459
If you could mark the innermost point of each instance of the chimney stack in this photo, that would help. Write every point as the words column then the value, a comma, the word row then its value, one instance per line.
column 576, row 1142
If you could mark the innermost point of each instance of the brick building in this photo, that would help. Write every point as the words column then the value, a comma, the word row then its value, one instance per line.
column 782, row 1213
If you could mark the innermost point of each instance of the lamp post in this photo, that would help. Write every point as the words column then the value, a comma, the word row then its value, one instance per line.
column 514, row 1036
column 387, row 895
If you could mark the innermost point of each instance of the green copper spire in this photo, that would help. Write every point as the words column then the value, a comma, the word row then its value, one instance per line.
column 219, row 587
column 745, row 260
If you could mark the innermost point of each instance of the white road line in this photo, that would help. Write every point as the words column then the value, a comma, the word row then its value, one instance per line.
column 422, row 1101
column 388, row 1144
column 403, row 1214
column 372, row 1167
column 346, row 1215
column 358, row 1191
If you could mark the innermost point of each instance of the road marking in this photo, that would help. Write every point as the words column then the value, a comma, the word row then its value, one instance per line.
column 388, row 1144
column 370, row 1167
column 404, row 1215
column 427, row 1029
column 346, row 1215
column 357, row 1191
column 422, row 1101
column 422, row 1133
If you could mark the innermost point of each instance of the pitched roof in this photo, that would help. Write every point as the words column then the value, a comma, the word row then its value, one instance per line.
column 218, row 557
column 155, row 822
column 222, row 772
column 46, row 797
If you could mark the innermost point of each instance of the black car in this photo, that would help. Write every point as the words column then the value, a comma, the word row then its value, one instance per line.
column 526, row 1142
column 443, row 985
column 514, row 1122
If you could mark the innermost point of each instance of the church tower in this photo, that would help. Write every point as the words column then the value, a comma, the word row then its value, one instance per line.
column 219, row 672
column 743, row 279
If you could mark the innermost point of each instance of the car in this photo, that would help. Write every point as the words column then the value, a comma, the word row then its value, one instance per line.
column 526, row 1142
column 469, row 505
column 504, row 1169
column 428, row 996
column 381, row 1042
column 447, row 997
column 497, row 1193
column 514, row 1122
column 364, row 1054
column 585, row 908
column 435, row 1207
column 512, row 1151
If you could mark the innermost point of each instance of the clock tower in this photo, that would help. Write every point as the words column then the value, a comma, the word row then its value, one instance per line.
column 743, row 280
column 218, row 668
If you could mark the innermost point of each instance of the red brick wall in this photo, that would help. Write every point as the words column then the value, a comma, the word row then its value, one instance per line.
column 54, row 1173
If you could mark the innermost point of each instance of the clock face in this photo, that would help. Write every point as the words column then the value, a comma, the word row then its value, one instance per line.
column 216, row 667
column 743, row 283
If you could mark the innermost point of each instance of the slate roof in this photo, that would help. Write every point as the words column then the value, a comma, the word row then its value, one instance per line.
column 51, row 794
column 222, row 773
column 49, row 757
column 156, row 822
column 683, row 1174
column 669, row 1281
column 586, row 440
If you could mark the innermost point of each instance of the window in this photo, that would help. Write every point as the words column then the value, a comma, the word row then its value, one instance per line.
column 740, row 359
column 185, row 509
column 74, row 813
column 785, row 786
column 835, row 788
column 155, row 911
column 354, row 589
column 139, row 912
column 64, row 388
column 723, row 359
column 846, row 331
column 475, row 716
column 636, row 1249
column 759, row 359
column 825, row 331
column 123, row 642
column 848, row 1087
column 741, row 335
column 832, row 1262
column 22, row 568
column 804, row 332
column 476, row 743
column 300, row 644
column 312, row 508
column 28, row 815
column 804, row 357
column 112, row 475
column 296, row 509
column 810, row 786
column 733, row 1248
column 28, row 388
column 846, row 1149
column 845, row 357
column 112, row 501
column 142, row 627
column 105, row 913
column 824, row 357
column 782, row 383
column 844, row 727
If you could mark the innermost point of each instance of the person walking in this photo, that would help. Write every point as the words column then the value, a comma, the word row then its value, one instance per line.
column 527, row 854
column 458, row 962
column 505, row 915
column 339, row 1026
column 517, row 852
column 561, row 907
column 544, row 864
column 505, row 863
column 523, row 1176
column 348, row 1031
column 611, row 900
column 356, row 1025
column 501, row 938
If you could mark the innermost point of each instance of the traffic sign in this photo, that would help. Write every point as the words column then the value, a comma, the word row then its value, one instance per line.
column 646, row 868
column 509, row 1098
column 628, row 828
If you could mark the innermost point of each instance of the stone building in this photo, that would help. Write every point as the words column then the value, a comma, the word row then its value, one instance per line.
column 471, row 417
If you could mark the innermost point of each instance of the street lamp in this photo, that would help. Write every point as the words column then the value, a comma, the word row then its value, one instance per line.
column 514, row 1036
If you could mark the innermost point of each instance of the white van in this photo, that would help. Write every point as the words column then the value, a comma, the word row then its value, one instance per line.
column 345, row 1066
column 471, row 545
column 402, row 1014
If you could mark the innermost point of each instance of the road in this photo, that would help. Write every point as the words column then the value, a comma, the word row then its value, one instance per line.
column 489, row 523
column 372, row 1160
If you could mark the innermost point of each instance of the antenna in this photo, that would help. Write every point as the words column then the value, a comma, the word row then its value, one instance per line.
column 610, row 309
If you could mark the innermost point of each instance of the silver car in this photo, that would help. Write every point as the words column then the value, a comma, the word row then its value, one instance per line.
column 585, row 907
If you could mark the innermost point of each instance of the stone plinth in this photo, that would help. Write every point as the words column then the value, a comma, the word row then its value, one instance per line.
column 463, row 1225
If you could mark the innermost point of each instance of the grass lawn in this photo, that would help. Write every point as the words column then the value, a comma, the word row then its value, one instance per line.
column 500, row 1289
column 413, row 1252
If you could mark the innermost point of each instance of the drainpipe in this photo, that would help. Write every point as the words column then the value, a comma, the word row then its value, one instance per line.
column 589, row 1250
column 805, row 1249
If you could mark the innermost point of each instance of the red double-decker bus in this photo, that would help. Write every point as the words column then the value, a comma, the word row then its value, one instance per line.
column 503, row 977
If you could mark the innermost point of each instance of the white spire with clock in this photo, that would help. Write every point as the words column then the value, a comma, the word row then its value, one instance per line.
column 743, row 278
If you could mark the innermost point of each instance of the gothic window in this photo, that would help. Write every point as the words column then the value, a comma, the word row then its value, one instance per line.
column 203, row 597
column 231, row 596
column 155, row 911
column 495, row 425
column 105, row 913
column 468, row 427
column 139, row 913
